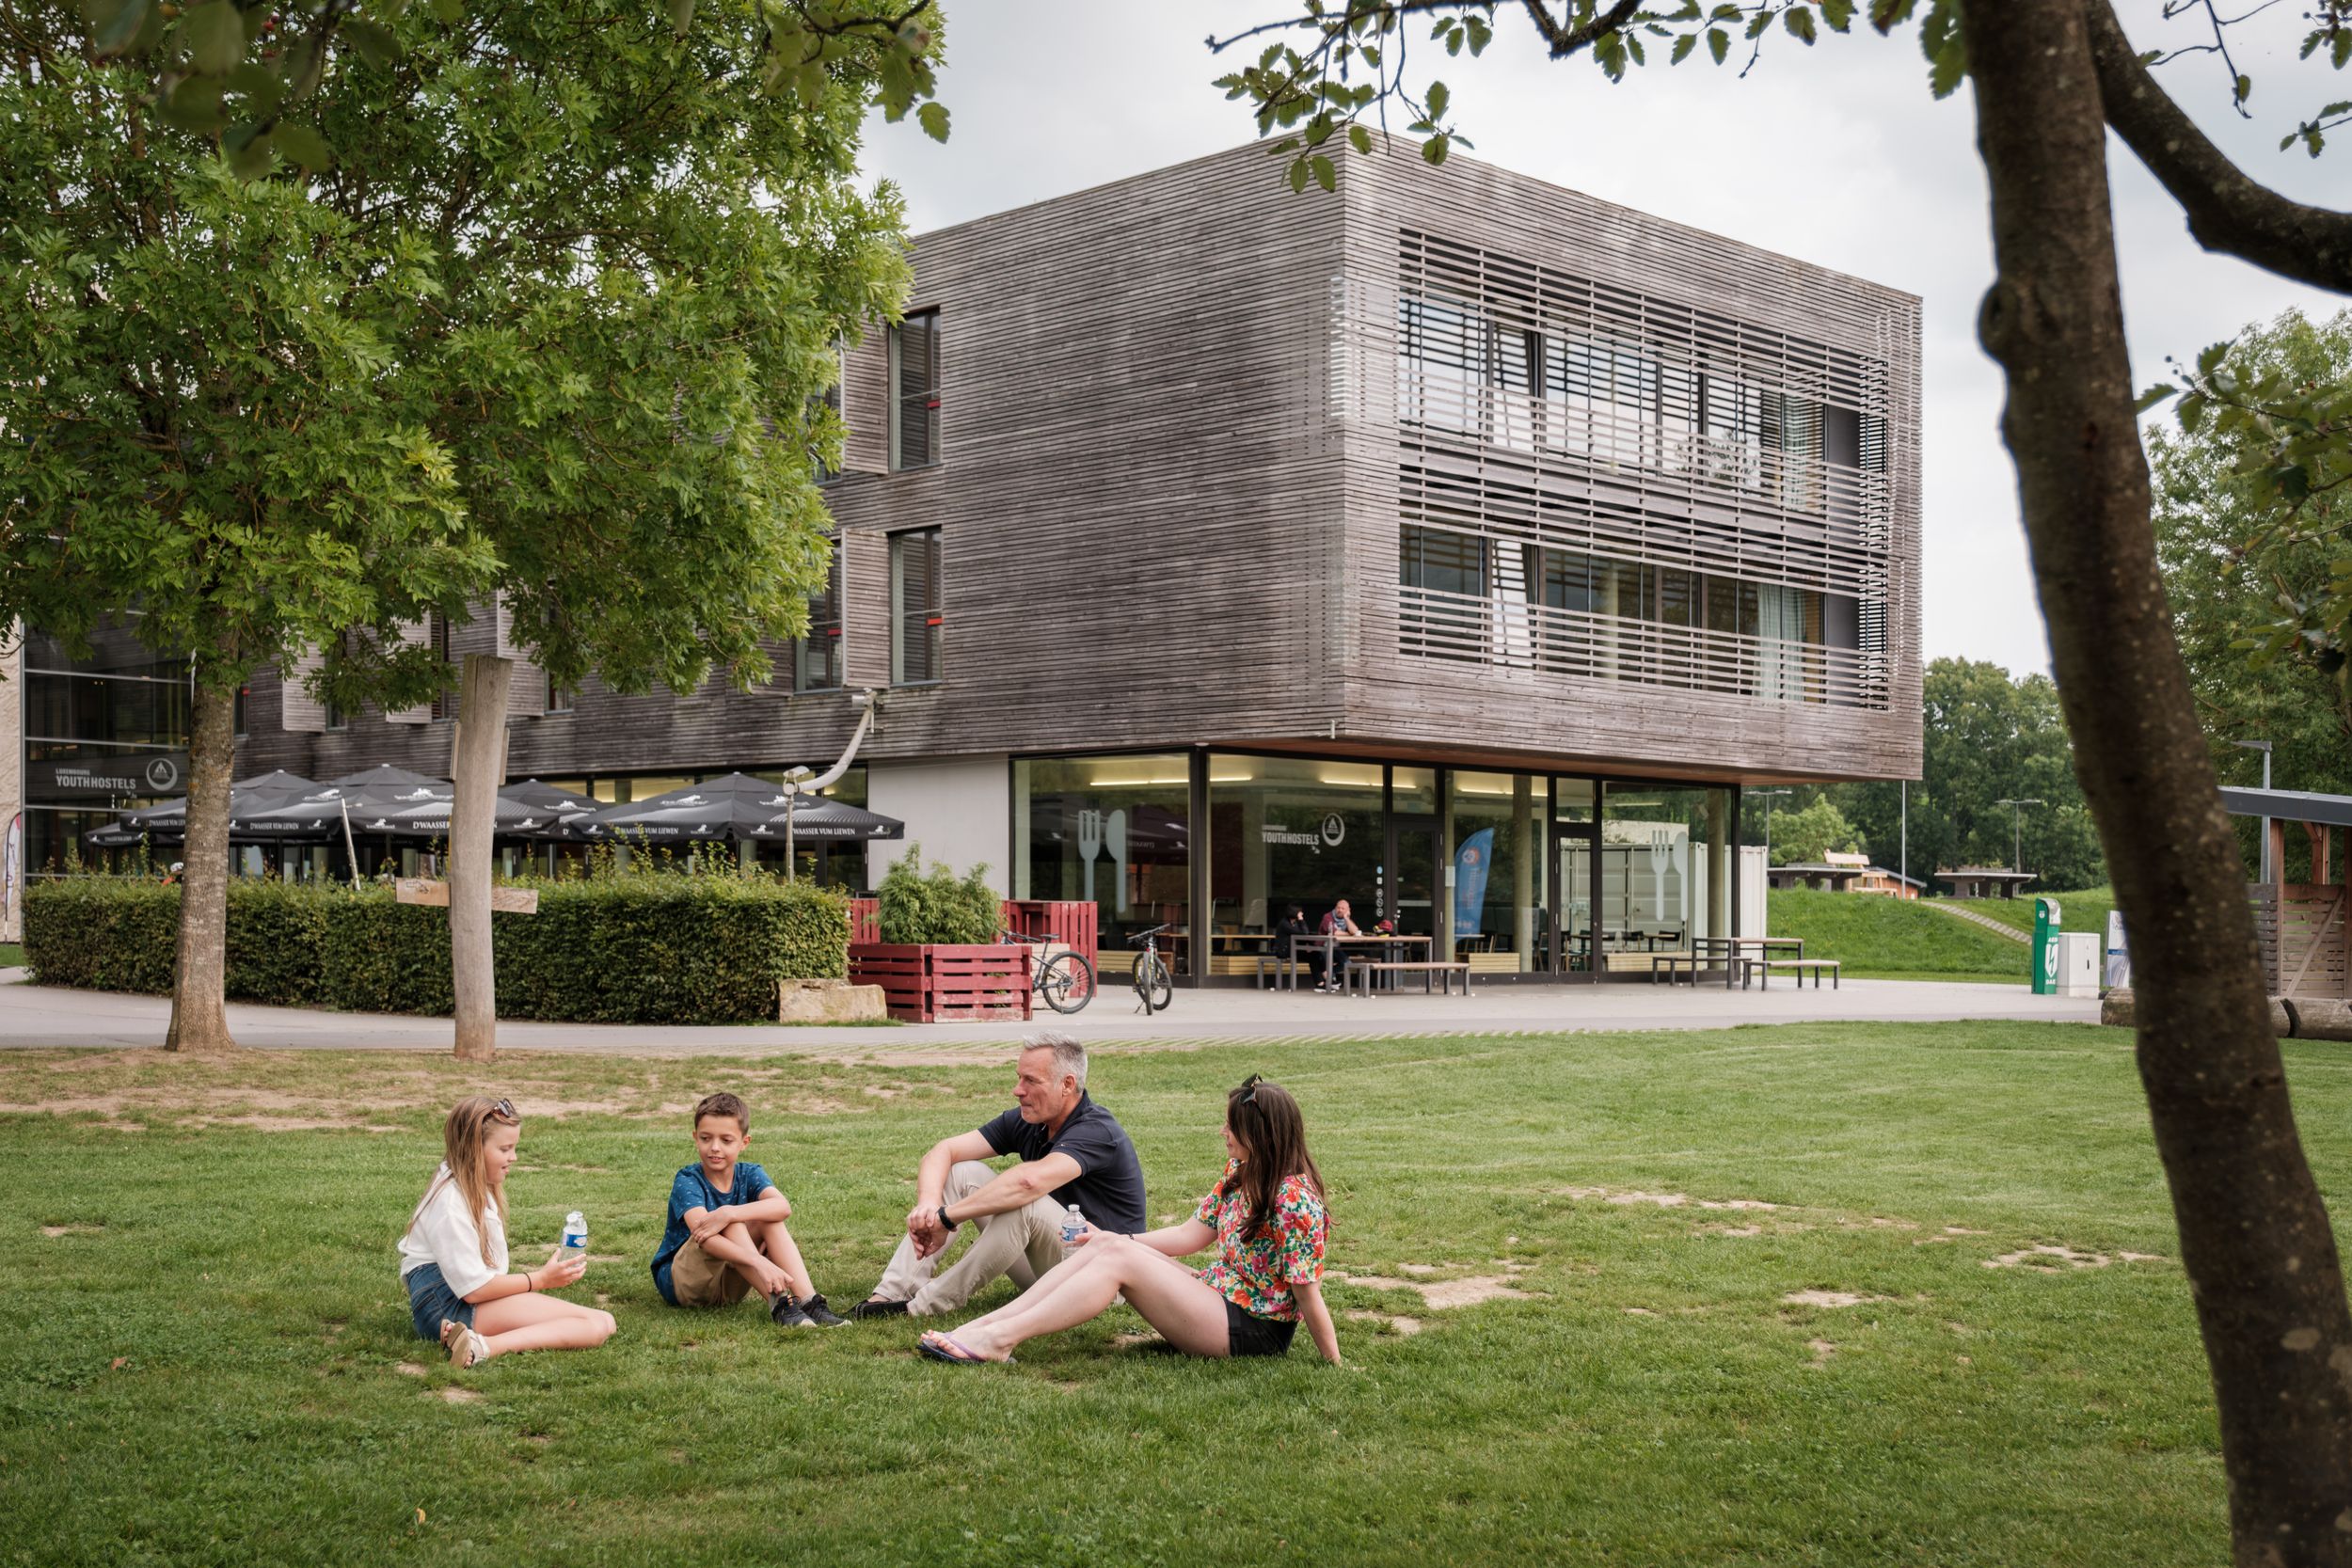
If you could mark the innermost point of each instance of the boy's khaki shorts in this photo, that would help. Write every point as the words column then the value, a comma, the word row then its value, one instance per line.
column 698, row 1279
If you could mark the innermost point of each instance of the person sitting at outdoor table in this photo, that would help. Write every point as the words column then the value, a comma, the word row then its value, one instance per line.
column 1286, row 935
column 1266, row 1219
column 1073, row 1155
column 1336, row 923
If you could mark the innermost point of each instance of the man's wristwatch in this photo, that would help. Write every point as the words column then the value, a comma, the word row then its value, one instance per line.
column 943, row 1219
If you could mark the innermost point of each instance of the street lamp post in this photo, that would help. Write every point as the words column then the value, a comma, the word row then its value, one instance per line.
column 2016, row 859
column 2264, row 747
column 1766, row 795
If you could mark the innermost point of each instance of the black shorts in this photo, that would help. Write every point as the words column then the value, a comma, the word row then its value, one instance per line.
column 1247, row 1334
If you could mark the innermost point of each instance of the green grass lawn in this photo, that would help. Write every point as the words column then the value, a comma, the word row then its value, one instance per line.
column 11, row 954
column 1875, row 938
column 2083, row 910
column 208, row 1360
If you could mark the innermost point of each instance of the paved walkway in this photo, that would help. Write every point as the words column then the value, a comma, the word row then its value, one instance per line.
column 1986, row 921
column 46, row 1015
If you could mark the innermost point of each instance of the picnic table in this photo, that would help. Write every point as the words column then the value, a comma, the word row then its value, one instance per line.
column 1332, row 941
column 1740, row 955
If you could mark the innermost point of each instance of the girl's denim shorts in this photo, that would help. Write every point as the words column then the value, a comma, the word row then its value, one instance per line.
column 430, row 1300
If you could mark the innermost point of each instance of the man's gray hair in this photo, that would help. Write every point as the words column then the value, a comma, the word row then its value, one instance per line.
column 1070, row 1056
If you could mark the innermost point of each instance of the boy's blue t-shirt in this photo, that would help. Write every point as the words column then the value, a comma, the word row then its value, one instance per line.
column 692, row 1190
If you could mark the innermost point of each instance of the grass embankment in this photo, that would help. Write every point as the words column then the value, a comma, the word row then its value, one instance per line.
column 204, row 1355
column 1894, row 938
column 2083, row 910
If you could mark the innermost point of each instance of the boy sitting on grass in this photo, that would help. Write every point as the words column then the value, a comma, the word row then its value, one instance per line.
column 726, row 1231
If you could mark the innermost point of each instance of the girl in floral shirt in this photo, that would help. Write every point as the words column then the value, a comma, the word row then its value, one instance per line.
column 1266, row 1216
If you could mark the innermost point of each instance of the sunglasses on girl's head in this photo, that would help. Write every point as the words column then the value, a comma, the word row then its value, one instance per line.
column 1250, row 1089
column 505, row 1110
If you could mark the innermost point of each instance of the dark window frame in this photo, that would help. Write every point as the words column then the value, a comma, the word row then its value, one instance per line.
column 934, row 613
column 922, row 401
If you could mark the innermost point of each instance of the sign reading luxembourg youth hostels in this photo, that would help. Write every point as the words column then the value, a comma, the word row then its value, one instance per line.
column 1328, row 834
column 141, row 773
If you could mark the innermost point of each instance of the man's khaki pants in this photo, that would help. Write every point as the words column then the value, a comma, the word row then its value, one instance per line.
column 1021, row 1244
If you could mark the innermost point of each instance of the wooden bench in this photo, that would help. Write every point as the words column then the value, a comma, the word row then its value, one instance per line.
column 1280, row 969
column 1361, row 973
column 1801, row 967
column 1673, row 964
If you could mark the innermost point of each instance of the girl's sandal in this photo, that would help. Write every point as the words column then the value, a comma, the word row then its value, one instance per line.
column 467, row 1348
column 942, row 1346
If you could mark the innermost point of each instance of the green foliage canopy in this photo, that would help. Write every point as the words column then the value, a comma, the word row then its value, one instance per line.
column 556, row 316
column 2259, row 568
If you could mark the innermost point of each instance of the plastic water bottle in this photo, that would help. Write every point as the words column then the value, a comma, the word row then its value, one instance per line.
column 1073, row 1226
column 574, row 1237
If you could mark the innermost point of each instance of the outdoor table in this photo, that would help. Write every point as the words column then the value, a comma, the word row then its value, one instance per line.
column 1331, row 945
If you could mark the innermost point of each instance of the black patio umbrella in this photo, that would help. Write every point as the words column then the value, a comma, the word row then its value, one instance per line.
column 563, row 814
column 368, row 799
column 263, row 790
column 516, row 814
column 736, row 808
column 813, row 816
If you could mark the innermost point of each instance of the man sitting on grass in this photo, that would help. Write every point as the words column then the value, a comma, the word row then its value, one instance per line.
column 726, row 1233
column 1072, row 1151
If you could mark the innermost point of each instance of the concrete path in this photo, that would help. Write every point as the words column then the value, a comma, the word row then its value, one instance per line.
column 43, row 1016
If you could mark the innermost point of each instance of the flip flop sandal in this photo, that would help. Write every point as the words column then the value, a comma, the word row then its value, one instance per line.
column 948, row 1348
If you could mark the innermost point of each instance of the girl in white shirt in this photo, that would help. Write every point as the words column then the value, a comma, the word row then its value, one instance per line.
column 452, row 1256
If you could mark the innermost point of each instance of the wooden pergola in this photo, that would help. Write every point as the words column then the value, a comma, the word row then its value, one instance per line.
column 1831, row 878
column 1986, row 882
column 2302, row 925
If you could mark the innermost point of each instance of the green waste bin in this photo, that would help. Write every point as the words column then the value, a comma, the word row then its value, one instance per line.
column 2045, row 953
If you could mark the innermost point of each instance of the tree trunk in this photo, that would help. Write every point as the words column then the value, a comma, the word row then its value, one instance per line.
column 2254, row 1237
column 477, row 767
column 199, row 1017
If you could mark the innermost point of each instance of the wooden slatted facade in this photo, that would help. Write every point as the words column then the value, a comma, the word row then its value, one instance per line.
column 1180, row 435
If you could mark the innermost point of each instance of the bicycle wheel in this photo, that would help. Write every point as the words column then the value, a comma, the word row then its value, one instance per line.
column 1152, row 983
column 1066, row 982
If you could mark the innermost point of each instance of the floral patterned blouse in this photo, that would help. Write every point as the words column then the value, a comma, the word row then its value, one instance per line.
column 1255, row 1274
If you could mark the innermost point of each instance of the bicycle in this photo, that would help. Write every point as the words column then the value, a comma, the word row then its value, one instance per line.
column 1153, row 985
column 1064, row 979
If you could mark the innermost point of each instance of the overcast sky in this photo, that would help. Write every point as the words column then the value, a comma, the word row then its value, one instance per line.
column 1837, row 155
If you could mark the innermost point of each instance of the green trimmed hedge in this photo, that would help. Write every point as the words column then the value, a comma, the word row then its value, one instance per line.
column 626, row 949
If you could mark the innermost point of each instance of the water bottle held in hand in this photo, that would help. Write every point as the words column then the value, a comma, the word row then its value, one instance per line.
column 1073, row 1226
column 574, row 1237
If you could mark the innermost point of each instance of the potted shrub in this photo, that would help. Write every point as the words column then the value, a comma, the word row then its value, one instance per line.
column 938, row 958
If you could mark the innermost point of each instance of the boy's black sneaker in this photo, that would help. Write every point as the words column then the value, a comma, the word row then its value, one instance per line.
column 816, row 1311
column 786, row 1313
column 875, row 1308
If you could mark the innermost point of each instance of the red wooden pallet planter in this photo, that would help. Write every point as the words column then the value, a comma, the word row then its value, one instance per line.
column 1072, row 922
column 945, row 983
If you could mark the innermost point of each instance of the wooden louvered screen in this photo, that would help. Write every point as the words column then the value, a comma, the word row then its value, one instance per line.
column 527, row 691
column 298, row 710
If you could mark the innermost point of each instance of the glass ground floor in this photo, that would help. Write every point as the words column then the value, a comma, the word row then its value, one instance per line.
column 1522, row 874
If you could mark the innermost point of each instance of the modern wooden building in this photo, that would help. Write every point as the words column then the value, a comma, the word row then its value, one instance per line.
column 1456, row 544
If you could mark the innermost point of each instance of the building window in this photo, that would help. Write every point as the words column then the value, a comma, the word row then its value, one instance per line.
column 822, row 471
column 1114, row 833
column 915, row 391
column 916, row 612
column 816, row 653
column 560, row 697
column 336, row 718
column 437, row 637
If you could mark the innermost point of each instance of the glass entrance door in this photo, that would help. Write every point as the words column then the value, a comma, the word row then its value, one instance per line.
column 1573, row 910
column 1408, row 882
